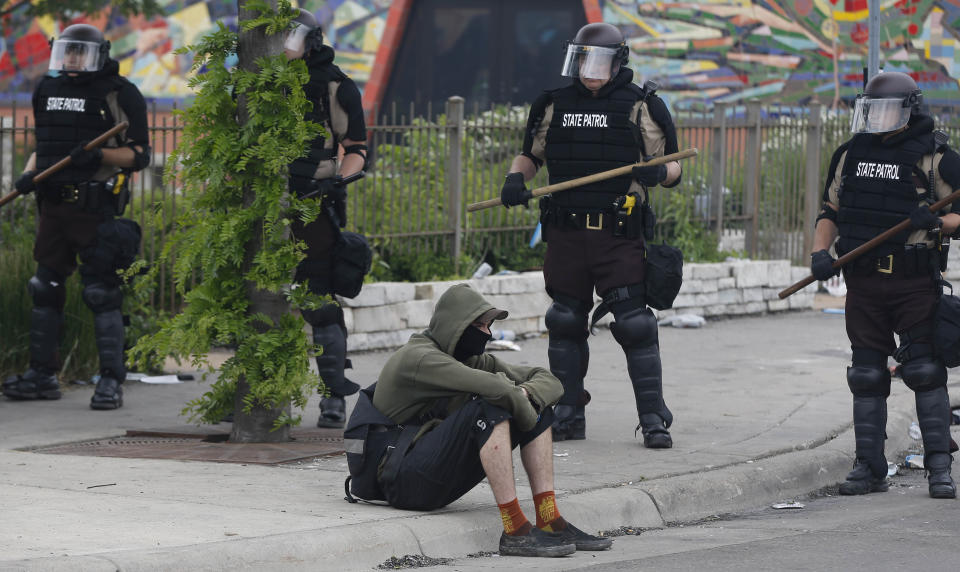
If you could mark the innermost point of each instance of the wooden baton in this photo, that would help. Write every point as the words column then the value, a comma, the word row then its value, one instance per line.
column 594, row 178
column 870, row 244
column 62, row 163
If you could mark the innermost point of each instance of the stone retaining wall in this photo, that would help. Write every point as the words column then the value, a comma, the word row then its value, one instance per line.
column 385, row 314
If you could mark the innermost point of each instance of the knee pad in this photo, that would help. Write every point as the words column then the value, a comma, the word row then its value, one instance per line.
column 924, row 374
column 636, row 328
column 326, row 315
column 102, row 298
column 47, row 289
column 868, row 381
column 869, row 376
column 564, row 321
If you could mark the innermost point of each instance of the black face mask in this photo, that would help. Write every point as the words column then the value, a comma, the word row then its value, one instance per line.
column 472, row 343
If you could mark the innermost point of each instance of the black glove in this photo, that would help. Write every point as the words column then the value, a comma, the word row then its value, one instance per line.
column 650, row 176
column 513, row 192
column 821, row 265
column 331, row 189
column 80, row 157
column 922, row 219
column 24, row 183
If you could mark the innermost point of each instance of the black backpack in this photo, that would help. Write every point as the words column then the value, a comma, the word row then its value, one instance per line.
column 366, row 438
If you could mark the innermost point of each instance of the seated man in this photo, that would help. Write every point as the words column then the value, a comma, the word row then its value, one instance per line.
column 464, row 412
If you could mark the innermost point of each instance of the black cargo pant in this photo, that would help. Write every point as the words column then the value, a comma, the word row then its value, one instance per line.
column 444, row 464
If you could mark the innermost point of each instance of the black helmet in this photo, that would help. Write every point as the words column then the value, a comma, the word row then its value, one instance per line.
column 886, row 104
column 596, row 52
column 305, row 33
column 80, row 48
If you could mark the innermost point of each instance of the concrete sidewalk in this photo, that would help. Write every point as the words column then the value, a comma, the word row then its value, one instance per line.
column 762, row 415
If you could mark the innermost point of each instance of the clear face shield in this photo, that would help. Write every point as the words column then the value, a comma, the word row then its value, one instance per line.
column 75, row 56
column 588, row 62
column 879, row 115
column 296, row 38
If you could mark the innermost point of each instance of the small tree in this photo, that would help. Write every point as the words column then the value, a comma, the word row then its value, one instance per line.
column 234, row 255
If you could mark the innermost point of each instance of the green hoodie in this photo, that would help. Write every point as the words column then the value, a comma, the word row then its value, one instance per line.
column 423, row 372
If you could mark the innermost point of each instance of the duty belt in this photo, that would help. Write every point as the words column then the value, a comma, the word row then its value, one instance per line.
column 72, row 193
column 616, row 221
column 908, row 263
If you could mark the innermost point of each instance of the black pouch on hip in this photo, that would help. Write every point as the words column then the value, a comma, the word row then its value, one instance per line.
column 664, row 275
column 946, row 327
column 352, row 258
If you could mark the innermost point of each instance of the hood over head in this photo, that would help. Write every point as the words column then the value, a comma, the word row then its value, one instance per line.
column 456, row 309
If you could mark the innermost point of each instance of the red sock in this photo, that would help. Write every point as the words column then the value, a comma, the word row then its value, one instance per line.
column 514, row 522
column 548, row 518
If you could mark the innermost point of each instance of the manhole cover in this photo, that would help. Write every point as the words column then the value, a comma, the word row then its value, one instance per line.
column 205, row 444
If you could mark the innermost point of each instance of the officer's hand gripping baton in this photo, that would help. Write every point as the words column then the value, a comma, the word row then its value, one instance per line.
column 870, row 244
column 62, row 163
column 343, row 183
column 594, row 178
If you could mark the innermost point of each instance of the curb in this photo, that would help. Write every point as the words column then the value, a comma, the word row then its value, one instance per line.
column 454, row 533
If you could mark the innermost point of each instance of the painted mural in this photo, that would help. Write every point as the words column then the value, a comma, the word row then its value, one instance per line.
column 786, row 51
column 701, row 52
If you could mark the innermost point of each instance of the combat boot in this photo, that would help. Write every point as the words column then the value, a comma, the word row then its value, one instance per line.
column 333, row 412
column 569, row 423
column 941, row 485
column 108, row 394
column 655, row 434
column 33, row 384
column 862, row 480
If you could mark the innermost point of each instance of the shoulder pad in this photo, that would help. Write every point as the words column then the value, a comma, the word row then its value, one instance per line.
column 941, row 137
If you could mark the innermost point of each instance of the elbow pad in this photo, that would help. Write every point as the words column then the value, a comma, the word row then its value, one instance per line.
column 358, row 149
column 828, row 213
column 141, row 159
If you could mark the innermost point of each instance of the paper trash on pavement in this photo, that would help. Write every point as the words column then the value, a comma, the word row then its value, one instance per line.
column 914, row 461
column 683, row 321
column 792, row 504
column 160, row 379
column 503, row 345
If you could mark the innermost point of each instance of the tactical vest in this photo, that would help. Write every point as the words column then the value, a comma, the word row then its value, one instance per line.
column 878, row 190
column 588, row 135
column 317, row 90
column 67, row 113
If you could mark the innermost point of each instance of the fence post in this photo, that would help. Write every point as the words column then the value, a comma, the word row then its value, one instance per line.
column 752, row 180
column 811, row 200
column 718, row 162
column 454, row 174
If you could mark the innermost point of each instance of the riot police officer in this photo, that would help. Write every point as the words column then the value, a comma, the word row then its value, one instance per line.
column 600, row 121
column 79, row 208
column 893, row 168
column 337, row 107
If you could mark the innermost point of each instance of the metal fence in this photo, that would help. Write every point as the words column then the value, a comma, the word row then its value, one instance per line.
column 756, row 182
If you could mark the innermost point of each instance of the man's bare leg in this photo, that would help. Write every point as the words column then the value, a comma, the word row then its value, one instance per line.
column 496, row 456
column 520, row 537
column 537, row 459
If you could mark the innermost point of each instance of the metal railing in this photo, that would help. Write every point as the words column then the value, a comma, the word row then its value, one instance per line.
column 756, row 182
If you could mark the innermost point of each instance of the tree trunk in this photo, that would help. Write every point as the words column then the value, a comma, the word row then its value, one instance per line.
column 255, row 427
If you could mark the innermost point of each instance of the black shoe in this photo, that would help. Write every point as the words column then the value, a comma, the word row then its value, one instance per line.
column 34, row 384
column 861, row 480
column 107, row 395
column 333, row 412
column 939, row 481
column 655, row 434
column 536, row 543
column 582, row 540
column 569, row 423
